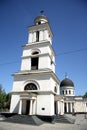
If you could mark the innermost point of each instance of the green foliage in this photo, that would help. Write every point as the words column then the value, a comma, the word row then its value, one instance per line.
column 85, row 95
column 4, row 99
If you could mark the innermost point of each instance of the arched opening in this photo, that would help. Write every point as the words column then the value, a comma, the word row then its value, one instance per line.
column 35, row 53
column 69, row 92
column 65, row 108
column 37, row 36
column 63, row 92
column 66, row 92
column 30, row 86
column 34, row 63
column 55, row 89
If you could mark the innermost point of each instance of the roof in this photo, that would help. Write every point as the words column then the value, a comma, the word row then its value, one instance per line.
column 66, row 82
column 40, row 18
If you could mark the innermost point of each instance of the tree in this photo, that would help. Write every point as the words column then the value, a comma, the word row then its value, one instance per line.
column 2, row 97
column 7, row 101
column 85, row 95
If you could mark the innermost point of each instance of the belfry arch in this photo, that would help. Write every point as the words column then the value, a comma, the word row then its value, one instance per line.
column 30, row 86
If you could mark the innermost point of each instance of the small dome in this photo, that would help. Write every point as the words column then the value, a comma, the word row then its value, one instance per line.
column 66, row 82
column 40, row 19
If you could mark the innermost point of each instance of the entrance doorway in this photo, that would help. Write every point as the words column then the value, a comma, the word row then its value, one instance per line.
column 55, row 108
column 65, row 108
column 27, row 107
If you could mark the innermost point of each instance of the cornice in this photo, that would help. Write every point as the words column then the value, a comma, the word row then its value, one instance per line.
column 39, row 27
column 39, row 72
column 34, row 92
column 39, row 44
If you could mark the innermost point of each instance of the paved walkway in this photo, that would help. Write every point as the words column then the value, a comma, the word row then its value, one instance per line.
column 80, row 124
column 57, row 126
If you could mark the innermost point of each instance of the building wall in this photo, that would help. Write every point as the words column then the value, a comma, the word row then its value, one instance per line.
column 44, row 34
column 65, row 91
column 14, row 107
column 46, row 58
column 45, row 104
column 45, row 82
column 80, row 106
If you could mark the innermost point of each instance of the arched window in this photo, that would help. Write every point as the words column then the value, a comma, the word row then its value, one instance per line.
column 30, row 86
column 35, row 53
column 37, row 36
column 69, row 92
column 34, row 63
column 66, row 91
column 63, row 92
column 34, row 60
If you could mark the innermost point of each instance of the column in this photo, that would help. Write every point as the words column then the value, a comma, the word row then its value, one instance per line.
column 86, row 107
column 31, row 107
column 34, row 37
column 20, row 107
column 30, row 38
column 34, row 106
column 58, row 106
column 41, row 35
column 45, row 35
column 71, row 107
column 74, row 107
column 63, row 106
column 67, row 107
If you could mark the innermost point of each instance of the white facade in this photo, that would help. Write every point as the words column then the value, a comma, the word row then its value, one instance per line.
column 35, row 85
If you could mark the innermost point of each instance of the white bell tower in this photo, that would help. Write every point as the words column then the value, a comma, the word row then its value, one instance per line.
column 38, row 53
column 36, row 84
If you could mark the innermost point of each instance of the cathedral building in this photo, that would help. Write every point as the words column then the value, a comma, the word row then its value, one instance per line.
column 36, row 88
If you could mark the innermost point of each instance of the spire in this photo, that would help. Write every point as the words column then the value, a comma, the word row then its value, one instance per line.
column 66, row 75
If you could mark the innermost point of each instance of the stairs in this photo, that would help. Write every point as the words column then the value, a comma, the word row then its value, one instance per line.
column 36, row 120
column 24, row 119
column 63, row 119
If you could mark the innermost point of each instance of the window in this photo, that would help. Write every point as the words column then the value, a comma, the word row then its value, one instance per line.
column 35, row 53
column 34, row 63
column 63, row 92
column 43, row 108
column 37, row 36
column 69, row 92
column 30, row 86
column 66, row 91
column 39, row 23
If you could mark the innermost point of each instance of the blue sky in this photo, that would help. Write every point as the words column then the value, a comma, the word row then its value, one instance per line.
column 68, row 20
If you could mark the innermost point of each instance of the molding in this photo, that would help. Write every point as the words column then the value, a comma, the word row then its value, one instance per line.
column 39, row 27
column 38, row 44
column 37, row 55
column 27, row 92
column 39, row 72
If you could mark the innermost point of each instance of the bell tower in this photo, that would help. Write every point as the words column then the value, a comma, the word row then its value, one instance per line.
column 40, row 31
column 38, row 53
column 36, row 84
